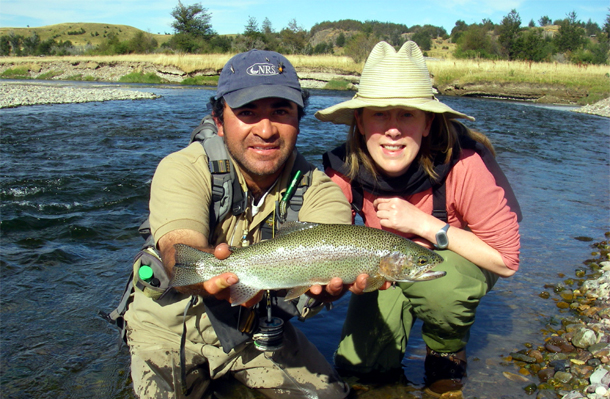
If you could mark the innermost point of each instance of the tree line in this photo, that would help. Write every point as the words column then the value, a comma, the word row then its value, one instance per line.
column 571, row 41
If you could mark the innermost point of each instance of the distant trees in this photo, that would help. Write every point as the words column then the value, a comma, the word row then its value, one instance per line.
column 140, row 43
column 544, row 21
column 193, row 28
column 193, row 20
column 476, row 42
column 570, row 36
column 340, row 42
column 19, row 45
column 293, row 38
column 508, row 33
column 572, row 40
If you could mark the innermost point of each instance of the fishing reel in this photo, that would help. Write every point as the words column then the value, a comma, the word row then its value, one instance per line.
column 270, row 333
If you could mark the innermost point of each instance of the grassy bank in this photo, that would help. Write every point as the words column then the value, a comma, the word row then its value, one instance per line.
column 594, row 80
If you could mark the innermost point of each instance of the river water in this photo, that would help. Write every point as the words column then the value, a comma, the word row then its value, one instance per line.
column 74, row 188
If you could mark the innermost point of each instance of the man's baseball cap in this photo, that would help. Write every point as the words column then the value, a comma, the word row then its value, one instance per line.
column 258, row 74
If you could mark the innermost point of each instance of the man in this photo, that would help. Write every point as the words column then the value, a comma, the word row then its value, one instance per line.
column 257, row 109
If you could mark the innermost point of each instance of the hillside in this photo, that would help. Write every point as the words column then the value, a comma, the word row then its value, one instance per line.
column 81, row 33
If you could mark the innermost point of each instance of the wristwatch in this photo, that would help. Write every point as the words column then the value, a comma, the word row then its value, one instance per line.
column 442, row 241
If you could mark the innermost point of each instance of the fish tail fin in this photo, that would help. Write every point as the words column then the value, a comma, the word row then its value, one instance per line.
column 185, row 269
column 185, row 275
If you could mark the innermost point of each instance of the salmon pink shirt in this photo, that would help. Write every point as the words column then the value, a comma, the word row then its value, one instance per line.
column 474, row 201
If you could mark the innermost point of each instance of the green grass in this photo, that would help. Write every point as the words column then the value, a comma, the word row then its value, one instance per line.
column 337, row 84
column 201, row 81
column 49, row 75
column 139, row 77
column 16, row 73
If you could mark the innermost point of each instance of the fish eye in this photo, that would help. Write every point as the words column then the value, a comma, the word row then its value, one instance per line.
column 422, row 260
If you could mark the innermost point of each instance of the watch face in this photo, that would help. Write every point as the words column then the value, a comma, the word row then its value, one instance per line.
column 442, row 241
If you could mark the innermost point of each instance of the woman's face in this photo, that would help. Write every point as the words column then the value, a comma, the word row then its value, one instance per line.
column 393, row 136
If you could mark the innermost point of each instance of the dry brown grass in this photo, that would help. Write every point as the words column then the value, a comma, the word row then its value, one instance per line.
column 340, row 63
column 195, row 62
column 591, row 77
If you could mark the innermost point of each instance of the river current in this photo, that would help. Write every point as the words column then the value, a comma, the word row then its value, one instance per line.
column 74, row 187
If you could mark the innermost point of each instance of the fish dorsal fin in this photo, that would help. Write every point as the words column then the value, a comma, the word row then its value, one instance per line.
column 293, row 227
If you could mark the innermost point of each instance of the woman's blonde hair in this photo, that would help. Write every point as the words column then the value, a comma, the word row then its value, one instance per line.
column 443, row 139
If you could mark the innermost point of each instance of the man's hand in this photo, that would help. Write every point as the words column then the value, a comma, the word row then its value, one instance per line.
column 219, row 285
column 222, row 251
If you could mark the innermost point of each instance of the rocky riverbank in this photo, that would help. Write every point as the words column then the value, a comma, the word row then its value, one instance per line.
column 574, row 360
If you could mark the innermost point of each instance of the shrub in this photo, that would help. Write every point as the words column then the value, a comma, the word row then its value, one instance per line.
column 49, row 75
column 338, row 84
column 78, row 76
column 139, row 77
column 16, row 73
column 201, row 81
column 359, row 47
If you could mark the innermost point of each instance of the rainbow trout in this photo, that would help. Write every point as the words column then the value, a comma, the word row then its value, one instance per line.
column 304, row 254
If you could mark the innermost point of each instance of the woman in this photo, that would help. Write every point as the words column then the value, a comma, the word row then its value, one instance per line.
column 410, row 167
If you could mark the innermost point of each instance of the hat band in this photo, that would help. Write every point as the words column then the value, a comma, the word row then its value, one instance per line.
column 401, row 98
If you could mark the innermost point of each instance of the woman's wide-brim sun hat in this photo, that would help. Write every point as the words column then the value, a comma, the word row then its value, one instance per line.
column 391, row 79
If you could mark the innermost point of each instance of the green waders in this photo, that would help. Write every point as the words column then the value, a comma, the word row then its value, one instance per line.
column 377, row 326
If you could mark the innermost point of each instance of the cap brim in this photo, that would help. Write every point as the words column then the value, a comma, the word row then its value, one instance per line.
column 239, row 98
column 343, row 113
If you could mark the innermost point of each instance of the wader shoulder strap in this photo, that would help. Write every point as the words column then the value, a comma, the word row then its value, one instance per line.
column 227, row 194
column 358, row 199
column 439, row 202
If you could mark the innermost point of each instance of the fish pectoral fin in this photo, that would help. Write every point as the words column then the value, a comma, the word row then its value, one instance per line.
column 296, row 292
column 374, row 282
column 424, row 277
column 241, row 293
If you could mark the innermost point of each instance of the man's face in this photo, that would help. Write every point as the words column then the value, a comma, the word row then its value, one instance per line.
column 261, row 136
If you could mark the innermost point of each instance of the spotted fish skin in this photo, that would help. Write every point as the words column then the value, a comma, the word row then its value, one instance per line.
column 304, row 254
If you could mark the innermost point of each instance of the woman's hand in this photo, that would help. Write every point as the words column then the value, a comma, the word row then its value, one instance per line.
column 400, row 215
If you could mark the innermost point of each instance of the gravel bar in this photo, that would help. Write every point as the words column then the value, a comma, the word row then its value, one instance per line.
column 601, row 108
column 18, row 94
